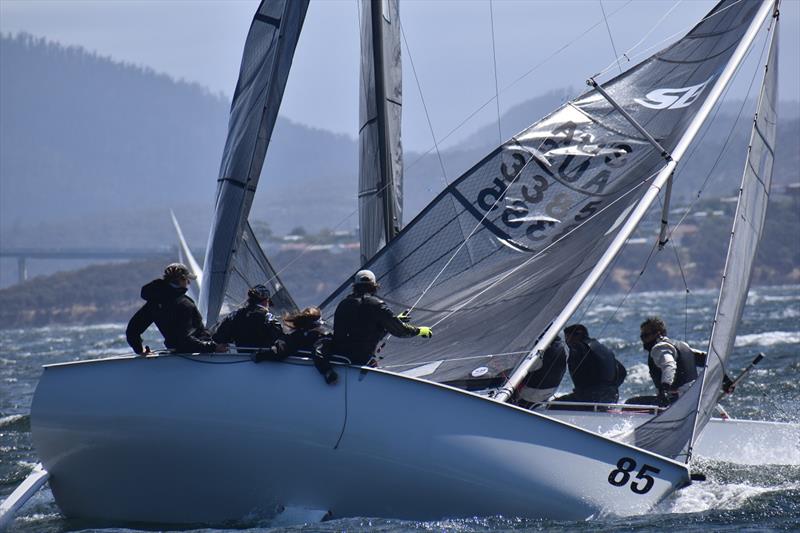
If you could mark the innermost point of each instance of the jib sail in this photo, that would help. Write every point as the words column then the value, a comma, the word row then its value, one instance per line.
column 234, row 259
column 671, row 433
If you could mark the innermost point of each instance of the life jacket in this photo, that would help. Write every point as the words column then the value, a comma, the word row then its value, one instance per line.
column 593, row 365
column 251, row 325
column 686, row 365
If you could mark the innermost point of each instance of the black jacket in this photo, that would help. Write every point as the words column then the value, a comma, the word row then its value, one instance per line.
column 361, row 321
column 176, row 317
column 592, row 364
column 554, row 365
column 250, row 325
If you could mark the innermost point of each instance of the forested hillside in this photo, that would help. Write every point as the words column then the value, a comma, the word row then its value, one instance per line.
column 95, row 152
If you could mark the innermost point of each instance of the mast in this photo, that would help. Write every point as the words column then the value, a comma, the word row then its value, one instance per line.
column 640, row 210
column 380, row 161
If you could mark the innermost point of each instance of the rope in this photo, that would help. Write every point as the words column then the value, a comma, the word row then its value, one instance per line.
column 508, row 273
column 610, row 37
column 668, row 38
column 515, row 82
column 471, row 233
column 725, row 144
column 640, row 41
column 494, row 63
column 425, row 108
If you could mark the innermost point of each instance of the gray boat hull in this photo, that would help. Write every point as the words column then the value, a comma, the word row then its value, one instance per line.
column 176, row 439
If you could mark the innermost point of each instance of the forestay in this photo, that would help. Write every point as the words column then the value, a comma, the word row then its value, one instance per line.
column 380, row 181
column 670, row 434
column 482, row 254
column 232, row 250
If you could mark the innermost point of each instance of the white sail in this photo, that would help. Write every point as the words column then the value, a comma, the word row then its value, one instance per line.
column 380, row 189
column 671, row 433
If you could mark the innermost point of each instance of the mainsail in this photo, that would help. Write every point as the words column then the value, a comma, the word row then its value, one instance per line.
column 380, row 182
column 479, row 263
column 234, row 260
column 671, row 433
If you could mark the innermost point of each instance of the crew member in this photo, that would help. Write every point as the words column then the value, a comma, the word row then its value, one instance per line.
column 595, row 371
column 541, row 384
column 174, row 313
column 362, row 320
column 308, row 336
column 252, row 325
column 672, row 363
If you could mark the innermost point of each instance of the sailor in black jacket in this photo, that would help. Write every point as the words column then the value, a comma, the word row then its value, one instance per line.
column 362, row 320
column 174, row 313
column 546, row 374
column 252, row 325
column 593, row 367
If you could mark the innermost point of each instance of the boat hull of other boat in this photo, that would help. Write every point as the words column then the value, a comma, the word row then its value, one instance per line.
column 752, row 442
column 168, row 439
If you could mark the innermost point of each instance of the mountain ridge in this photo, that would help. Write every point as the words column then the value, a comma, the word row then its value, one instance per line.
column 96, row 152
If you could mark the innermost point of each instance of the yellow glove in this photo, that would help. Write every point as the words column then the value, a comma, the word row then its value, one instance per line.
column 404, row 316
column 425, row 332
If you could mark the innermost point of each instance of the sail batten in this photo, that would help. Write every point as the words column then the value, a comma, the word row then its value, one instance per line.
column 232, row 252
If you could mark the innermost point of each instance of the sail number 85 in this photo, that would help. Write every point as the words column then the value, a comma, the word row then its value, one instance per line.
column 620, row 476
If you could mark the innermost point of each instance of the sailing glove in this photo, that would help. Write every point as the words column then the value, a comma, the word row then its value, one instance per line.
column 727, row 384
column 666, row 396
column 331, row 377
column 425, row 332
column 404, row 316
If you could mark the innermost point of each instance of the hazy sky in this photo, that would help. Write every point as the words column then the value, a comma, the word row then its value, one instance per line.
column 449, row 42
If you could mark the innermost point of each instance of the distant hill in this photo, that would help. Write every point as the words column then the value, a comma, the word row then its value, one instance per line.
column 95, row 152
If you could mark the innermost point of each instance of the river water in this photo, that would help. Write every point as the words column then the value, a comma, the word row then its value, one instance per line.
column 735, row 497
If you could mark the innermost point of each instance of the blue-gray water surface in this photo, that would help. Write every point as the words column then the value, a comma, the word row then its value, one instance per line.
column 735, row 497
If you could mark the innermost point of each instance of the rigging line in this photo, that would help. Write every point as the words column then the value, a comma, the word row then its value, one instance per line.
column 494, row 62
column 471, row 233
column 724, row 146
column 610, row 37
column 533, row 69
column 686, row 294
column 427, row 114
column 643, row 39
column 546, row 248
column 670, row 37
column 630, row 289
column 685, row 284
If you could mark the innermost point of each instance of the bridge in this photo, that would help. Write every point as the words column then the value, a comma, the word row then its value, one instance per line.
column 23, row 254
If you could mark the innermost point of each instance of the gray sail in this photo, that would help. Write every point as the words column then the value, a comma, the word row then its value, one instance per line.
column 380, row 182
column 266, row 60
column 500, row 251
column 670, row 434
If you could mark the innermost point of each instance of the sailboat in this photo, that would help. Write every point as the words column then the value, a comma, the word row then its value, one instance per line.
column 498, row 262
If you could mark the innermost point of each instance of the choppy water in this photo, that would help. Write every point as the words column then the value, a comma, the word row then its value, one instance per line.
column 735, row 497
